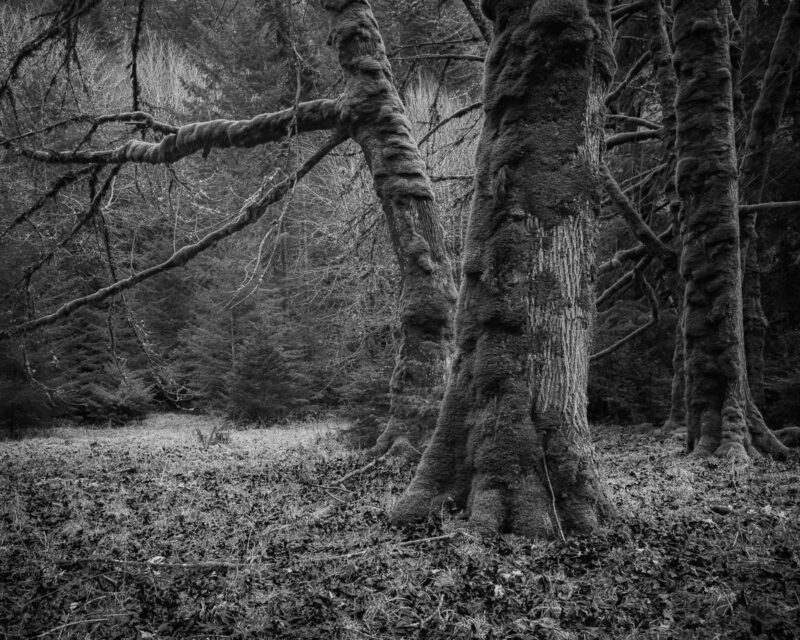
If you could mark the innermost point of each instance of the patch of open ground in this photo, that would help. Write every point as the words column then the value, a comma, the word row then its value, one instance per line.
column 154, row 531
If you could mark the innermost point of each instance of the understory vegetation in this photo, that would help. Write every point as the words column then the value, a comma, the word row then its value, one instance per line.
column 183, row 527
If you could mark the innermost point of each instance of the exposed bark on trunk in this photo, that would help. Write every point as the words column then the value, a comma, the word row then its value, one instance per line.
column 372, row 112
column 721, row 417
column 512, row 444
column 764, row 123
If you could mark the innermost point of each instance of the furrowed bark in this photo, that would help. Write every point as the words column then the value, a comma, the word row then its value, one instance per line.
column 372, row 112
column 722, row 418
column 512, row 446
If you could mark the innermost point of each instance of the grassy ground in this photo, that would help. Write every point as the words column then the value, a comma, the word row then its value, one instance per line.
column 142, row 532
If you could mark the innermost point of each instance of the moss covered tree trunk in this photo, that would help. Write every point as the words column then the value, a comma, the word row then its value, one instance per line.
column 512, row 446
column 666, row 83
column 764, row 123
column 373, row 114
column 721, row 416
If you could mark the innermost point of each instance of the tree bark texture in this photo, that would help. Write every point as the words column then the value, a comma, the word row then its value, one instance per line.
column 512, row 446
column 721, row 416
column 764, row 123
column 371, row 111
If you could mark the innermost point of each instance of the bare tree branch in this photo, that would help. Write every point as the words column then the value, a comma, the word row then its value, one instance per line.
column 641, row 231
column 627, row 9
column 456, row 114
column 70, row 12
column 654, row 315
column 249, row 215
column 632, row 73
column 632, row 253
column 769, row 206
column 61, row 183
column 134, row 63
column 94, row 207
column 138, row 118
column 634, row 120
column 622, row 282
column 197, row 136
column 443, row 56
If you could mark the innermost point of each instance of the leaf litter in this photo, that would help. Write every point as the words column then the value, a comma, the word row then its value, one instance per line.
column 142, row 533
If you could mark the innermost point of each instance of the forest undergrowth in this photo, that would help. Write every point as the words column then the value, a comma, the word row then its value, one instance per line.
column 151, row 531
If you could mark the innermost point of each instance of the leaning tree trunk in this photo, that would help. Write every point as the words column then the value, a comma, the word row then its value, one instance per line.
column 373, row 114
column 764, row 123
column 721, row 416
column 512, row 444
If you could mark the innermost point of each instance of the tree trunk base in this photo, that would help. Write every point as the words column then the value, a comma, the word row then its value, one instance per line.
column 742, row 435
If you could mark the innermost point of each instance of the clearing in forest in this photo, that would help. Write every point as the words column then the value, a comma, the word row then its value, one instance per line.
column 146, row 531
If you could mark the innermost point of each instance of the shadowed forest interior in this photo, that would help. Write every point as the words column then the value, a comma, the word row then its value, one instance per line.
column 505, row 253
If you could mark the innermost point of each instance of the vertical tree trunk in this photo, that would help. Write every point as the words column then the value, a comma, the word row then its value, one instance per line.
column 721, row 416
column 764, row 123
column 373, row 114
column 666, row 83
column 512, row 443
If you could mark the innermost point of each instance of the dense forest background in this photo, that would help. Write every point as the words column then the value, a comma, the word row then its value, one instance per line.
column 297, row 314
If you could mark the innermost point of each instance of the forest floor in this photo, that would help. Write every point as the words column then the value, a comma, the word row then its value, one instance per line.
column 145, row 532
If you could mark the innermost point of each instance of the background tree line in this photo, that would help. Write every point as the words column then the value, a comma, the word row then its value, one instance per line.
column 300, row 315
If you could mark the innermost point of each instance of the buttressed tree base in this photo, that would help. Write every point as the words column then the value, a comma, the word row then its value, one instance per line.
column 512, row 446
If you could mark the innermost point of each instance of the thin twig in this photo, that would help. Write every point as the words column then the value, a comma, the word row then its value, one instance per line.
column 456, row 114
column 553, row 497
column 77, row 622
column 343, row 479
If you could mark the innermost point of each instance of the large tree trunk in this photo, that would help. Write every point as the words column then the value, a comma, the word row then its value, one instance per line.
column 721, row 416
column 512, row 444
column 764, row 123
column 373, row 114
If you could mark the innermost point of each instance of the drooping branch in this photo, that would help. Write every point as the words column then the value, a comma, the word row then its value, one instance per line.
column 251, row 213
column 204, row 136
column 61, row 183
column 650, row 294
column 91, row 212
column 638, row 227
column 456, row 114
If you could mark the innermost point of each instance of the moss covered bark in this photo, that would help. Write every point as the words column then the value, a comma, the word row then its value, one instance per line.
column 512, row 446
column 721, row 417
column 373, row 114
